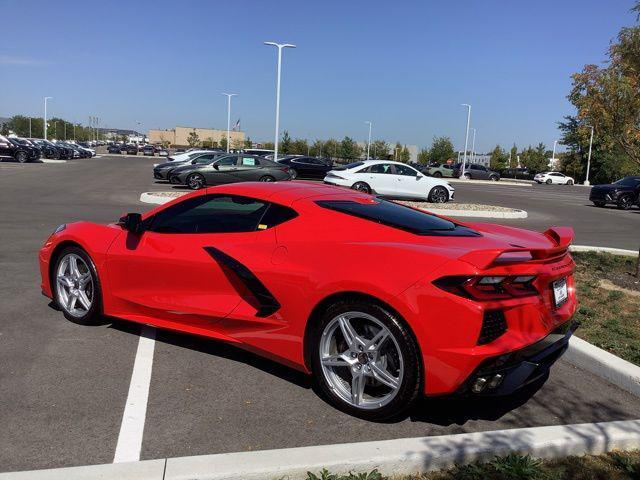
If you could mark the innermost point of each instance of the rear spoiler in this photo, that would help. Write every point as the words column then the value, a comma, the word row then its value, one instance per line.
column 560, row 236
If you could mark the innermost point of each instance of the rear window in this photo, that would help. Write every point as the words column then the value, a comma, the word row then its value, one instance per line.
column 399, row 216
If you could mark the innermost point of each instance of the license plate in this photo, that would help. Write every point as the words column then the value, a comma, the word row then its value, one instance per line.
column 560, row 291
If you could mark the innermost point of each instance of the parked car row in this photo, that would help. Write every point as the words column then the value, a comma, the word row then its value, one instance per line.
column 134, row 149
column 31, row 149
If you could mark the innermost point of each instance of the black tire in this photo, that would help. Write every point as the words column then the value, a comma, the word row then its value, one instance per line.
column 410, row 384
column 467, row 176
column 437, row 175
column 361, row 187
column 549, row 181
column 195, row 181
column 267, row 178
column 599, row 204
column 438, row 194
column 94, row 314
column 569, row 182
column 494, row 178
column 625, row 202
column 22, row 157
column 56, row 155
column 293, row 174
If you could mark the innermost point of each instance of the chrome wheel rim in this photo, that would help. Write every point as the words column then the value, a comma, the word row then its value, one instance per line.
column 293, row 174
column 361, row 360
column 74, row 285
column 267, row 179
column 195, row 182
column 439, row 195
column 361, row 187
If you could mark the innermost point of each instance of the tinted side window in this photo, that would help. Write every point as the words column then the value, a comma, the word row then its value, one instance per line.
column 398, row 216
column 380, row 168
column 211, row 214
column 226, row 161
column 275, row 215
column 404, row 170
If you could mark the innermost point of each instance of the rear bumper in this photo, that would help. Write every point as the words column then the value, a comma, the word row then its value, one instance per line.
column 515, row 370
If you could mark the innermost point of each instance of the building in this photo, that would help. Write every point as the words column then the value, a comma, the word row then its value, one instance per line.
column 179, row 136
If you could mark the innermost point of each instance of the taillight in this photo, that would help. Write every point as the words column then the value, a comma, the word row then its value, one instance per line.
column 484, row 288
column 285, row 169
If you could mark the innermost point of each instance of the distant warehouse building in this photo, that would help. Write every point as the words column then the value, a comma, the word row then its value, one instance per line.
column 179, row 136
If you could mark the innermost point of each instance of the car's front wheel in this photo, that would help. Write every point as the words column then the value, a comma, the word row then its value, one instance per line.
column 76, row 286
column 569, row 182
column 361, row 187
column 438, row 194
column 625, row 202
column 549, row 181
column 22, row 157
column 365, row 360
column 195, row 181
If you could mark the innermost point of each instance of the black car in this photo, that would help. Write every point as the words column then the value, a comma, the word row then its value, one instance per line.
column 475, row 171
column 49, row 150
column 309, row 167
column 164, row 170
column 132, row 149
column 231, row 168
column 33, row 153
column 13, row 151
column 149, row 151
column 623, row 193
column 518, row 173
column 78, row 152
column 115, row 148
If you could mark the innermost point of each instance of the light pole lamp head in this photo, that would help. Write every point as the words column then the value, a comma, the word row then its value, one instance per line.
column 280, row 45
column 230, row 94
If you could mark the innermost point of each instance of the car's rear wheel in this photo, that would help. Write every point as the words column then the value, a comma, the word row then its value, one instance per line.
column 365, row 360
column 22, row 157
column 599, row 204
column 267, row 178
column 549, row 181
column 76, row 287
column 437, row 175
column 361, row 187
column 625, row 202
column 195, row 181
column 293, row 174
column 467, row 176
column 494, row 178
column 438, row 194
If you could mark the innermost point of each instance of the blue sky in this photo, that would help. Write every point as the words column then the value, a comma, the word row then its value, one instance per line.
column 405, row 65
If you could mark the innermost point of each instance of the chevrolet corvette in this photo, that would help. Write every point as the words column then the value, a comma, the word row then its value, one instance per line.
column 379, row 302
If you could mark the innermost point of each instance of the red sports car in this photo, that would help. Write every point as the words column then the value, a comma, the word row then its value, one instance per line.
column 380, row 302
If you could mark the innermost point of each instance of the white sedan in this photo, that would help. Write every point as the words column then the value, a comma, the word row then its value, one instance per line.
column 553, row 177
column 390, row 179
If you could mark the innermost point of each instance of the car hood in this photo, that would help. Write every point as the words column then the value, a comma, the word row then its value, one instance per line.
column 611, row 186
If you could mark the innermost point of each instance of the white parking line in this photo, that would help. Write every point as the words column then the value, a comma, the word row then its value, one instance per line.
column 132, row 428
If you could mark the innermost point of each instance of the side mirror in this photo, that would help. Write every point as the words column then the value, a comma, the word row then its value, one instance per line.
column 132, row 222
column 215, row 165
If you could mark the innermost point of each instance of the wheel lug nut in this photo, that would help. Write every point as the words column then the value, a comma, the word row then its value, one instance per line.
column 353, row 355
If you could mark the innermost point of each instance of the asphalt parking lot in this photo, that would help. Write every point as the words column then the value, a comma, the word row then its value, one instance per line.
column 65, row 385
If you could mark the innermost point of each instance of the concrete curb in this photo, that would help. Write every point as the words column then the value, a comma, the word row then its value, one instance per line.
column 391, row 457
column 477, row 213
column 488, row 182
column 588, row 357
column 52, row 160
column 614, row 251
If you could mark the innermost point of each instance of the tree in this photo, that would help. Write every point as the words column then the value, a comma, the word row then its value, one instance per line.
column 607, row 98
column 299, row 147
column 441, row 150
column 513, row 155
column 379, row 149
column 331, row 148
column 499, row 158
column 317, row 149
column 535, row 159
column 248, row 143
column 268, row 145
column 423, row 156
column 285, row 143
column 405, row 155
column 349, row 149
column 397, row 150
column 193, row 140
column 237, row 144
column 223, row 143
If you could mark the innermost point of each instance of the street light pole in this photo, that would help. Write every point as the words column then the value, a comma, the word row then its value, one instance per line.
column 45, row 116
column 466, row 139
column 473, row 147
column 368, row 141
column 586, row 181
column 229, row 95
column 280, row 46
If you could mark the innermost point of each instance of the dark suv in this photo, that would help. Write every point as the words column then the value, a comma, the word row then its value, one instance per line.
column 15, row 151
column 623, row 193
column 475, row 172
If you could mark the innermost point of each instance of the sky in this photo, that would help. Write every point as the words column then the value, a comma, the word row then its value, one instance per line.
column 407, row 66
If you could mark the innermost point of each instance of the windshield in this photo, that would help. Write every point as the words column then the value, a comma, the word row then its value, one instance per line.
column 628, row 181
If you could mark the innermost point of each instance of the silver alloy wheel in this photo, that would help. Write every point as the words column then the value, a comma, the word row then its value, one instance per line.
column 74, row 285
column 361, row 360
column 195, row 182
column 293, row 174
column 267, row 178
column 439, row 195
